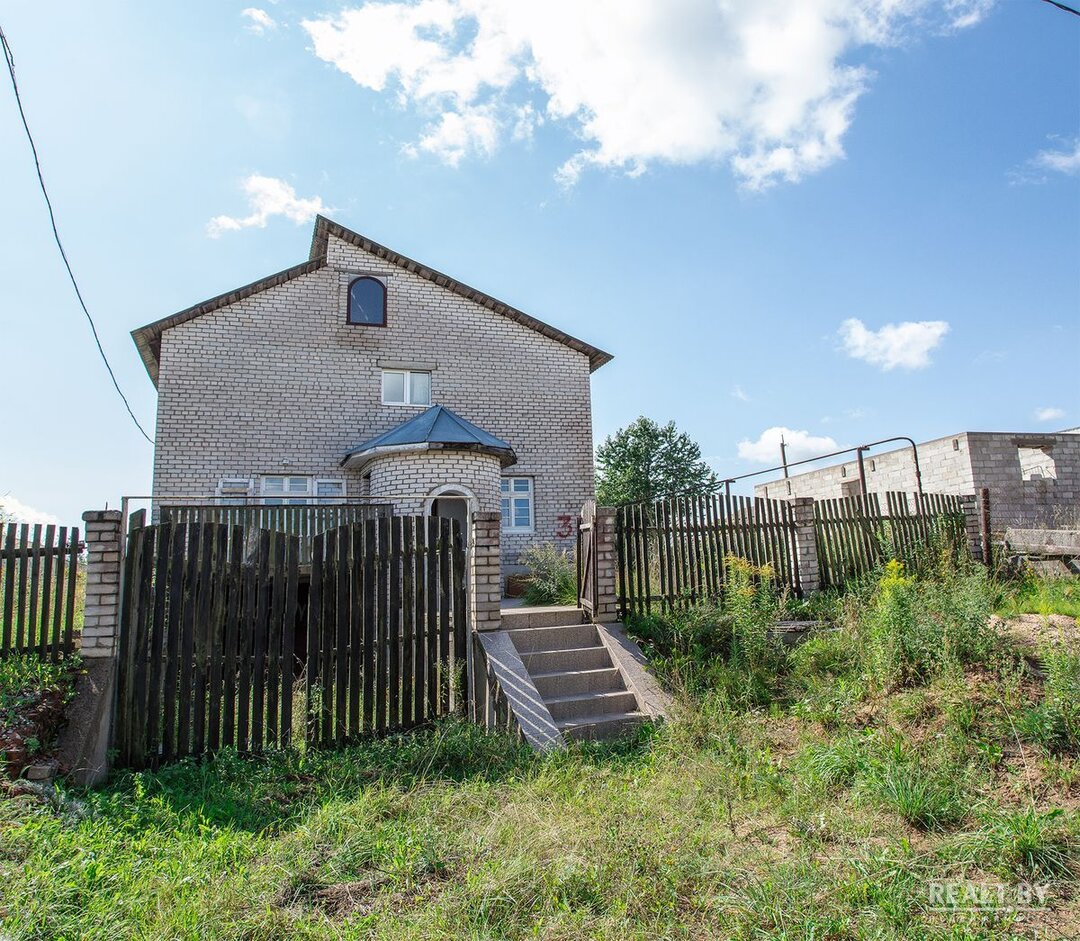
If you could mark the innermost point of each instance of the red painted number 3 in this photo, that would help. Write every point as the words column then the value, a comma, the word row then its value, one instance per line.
column 564, row 525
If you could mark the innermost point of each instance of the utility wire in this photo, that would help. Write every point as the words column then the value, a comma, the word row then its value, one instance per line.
column 10, row 58
column 1061, row 6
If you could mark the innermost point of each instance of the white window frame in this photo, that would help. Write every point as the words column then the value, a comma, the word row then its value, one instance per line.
column 510, row 494
column 337, row 481
column 407, row 374
column 307, row 497
column 229, row 491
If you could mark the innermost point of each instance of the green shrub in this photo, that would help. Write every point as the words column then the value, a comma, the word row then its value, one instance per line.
column 915, row 629
column 552, row 575
column 752, row 602
column 724, row 647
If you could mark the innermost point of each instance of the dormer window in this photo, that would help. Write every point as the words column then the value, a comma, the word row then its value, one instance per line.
column 367, row 302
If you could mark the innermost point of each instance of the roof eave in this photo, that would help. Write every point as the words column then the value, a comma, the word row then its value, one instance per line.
column 148, row 337
column 357, row 460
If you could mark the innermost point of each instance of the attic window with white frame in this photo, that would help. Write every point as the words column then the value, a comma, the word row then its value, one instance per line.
column 406, row 387
column 517, row 504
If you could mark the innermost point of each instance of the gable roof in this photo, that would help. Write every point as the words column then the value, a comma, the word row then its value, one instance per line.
column 436, row 427
column 148, row 338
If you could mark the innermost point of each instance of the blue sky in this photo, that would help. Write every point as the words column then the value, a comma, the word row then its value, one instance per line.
column 737, row 204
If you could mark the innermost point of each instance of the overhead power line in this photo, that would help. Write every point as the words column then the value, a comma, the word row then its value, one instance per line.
column 10, row 58
column 1061, row 6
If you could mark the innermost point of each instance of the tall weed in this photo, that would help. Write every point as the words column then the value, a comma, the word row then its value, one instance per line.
column 920, row 628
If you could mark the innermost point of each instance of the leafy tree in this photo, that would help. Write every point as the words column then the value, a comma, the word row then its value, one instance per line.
column 646, row 461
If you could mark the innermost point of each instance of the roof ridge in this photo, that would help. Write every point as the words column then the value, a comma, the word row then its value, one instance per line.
column 148, row 338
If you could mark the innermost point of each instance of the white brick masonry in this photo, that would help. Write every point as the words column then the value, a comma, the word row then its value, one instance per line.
column 279, row 382
column 421, row 472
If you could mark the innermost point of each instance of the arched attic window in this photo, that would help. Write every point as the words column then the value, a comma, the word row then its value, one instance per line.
column 367, row 302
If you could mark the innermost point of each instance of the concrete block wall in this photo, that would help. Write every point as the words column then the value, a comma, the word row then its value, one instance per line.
column 1037, row 502
column 279, row 382
column 963, row 464
column 101, row 613
column 944, row 463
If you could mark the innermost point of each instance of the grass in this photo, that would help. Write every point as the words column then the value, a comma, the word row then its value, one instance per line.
column 1041, row 596
column 769, row 806
column 23, row 678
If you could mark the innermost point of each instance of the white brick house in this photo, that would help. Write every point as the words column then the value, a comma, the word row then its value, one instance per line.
column 273, row 392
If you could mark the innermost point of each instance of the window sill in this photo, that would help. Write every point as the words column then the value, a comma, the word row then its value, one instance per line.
column 404, row 405
column 518, row 531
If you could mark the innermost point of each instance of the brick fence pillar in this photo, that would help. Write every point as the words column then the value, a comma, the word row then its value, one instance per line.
column 101, row 622
column 806, row 557
column 970, row 505
column 485, row 576
column 607, row 607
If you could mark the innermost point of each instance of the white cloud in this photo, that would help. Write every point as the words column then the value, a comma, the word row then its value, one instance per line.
column 906, row 344
column 799, row 444
column 259, row 21
column 1050, row 413
column 267, row 196
column 13, row 510
column 737, row 392
column 767, row 86
column 1060, row 161
column 1064, row 160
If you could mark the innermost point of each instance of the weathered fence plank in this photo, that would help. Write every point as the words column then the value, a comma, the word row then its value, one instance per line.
column 694, row 535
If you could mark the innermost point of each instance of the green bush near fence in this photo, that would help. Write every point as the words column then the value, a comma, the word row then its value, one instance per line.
column 552, row 575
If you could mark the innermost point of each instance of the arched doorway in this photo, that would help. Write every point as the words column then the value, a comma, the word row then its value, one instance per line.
column 453, row 502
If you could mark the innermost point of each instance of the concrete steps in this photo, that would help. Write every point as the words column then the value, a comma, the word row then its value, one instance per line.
column 601, row 727
column 582, row 687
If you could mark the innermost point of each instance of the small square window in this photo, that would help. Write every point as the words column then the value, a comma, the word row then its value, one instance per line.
column 406, row 387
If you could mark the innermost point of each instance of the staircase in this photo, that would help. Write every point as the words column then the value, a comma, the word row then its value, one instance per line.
column 572, row 669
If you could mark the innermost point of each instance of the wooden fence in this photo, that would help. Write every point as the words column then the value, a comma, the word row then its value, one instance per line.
column 854, row 536
column 206, row 642
column 39, row 570
column 386, row 643
column 220, row 625
column 672, row 552
column 303, row 520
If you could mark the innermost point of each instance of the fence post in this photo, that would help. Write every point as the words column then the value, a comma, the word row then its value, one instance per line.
column 485, row 577
column 806, row 557
column 83, row 743
column 101, row 614
column 984, row 526
column 969, row 503
column 607, row 602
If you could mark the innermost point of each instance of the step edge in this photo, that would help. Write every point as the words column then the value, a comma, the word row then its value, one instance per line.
column 594, row 670
column 579, row 697
column 602, row 718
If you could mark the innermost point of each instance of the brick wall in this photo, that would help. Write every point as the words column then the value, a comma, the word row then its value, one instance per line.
column 422, row 472
column 279, row 383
